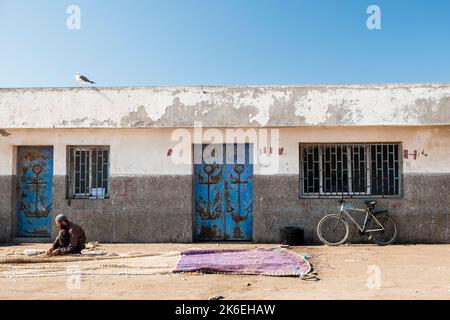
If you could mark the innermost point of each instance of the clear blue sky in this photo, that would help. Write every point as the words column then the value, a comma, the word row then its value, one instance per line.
column 223, row 42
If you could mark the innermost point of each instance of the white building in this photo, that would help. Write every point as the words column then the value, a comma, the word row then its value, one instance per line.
column 109, row 158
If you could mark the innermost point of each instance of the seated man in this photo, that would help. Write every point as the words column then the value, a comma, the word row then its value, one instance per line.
column 71, row 238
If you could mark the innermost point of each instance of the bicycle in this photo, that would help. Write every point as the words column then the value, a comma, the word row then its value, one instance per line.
column 333, row 229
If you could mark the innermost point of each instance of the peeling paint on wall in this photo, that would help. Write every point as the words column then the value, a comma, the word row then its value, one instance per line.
column 276, row 106
column 138, row 118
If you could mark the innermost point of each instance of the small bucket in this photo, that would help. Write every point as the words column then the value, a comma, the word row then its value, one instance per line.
column 292, row 236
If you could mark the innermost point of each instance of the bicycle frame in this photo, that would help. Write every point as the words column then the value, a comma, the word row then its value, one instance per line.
column 366, row 219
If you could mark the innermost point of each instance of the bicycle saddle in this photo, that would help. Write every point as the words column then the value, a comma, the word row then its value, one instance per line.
column 370, row 203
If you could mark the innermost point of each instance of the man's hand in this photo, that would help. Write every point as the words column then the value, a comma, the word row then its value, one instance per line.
column 49, row 251
column 56, row 252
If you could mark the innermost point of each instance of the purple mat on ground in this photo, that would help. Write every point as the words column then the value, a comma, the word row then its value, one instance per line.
column 262, row 261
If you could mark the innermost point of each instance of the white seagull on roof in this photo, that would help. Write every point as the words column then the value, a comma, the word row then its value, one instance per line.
column 82, row 79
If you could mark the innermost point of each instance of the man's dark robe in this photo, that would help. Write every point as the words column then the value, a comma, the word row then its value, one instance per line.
column 72, row 239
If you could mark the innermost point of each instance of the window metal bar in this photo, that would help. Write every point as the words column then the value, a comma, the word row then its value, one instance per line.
column 98, row 171
column 352, row 169
column 88, row 171
column 320, row 151
column 368, row 149
column 79, row 171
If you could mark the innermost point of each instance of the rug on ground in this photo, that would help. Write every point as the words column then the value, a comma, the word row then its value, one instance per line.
column 261, row 261
column 114, row 266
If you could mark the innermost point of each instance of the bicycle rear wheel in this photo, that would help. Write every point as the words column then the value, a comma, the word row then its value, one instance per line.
column 332, row 230
column 388, row 235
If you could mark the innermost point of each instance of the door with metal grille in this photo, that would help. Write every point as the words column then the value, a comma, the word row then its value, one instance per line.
column 34, row 191
column 223, row 194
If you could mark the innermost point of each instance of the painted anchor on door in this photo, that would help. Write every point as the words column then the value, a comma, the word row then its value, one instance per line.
column 34, row 201
column 223, row 200
column 211, row 208
column 241, row 213
column 38, row 208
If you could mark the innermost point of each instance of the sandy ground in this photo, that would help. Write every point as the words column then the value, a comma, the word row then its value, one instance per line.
column 406, row 272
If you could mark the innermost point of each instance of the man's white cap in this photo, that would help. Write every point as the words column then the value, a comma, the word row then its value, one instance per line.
column 61, row 217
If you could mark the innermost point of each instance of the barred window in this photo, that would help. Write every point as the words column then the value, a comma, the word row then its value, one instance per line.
column 350, row 169
column 88, row 172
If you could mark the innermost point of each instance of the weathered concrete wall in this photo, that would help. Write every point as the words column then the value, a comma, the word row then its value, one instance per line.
column 159, row 209
column 273, row 106
column 6, row 187
column 422, row 214
column 140, row 209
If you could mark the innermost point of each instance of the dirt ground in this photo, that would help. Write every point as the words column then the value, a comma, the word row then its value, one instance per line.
column 406, row 272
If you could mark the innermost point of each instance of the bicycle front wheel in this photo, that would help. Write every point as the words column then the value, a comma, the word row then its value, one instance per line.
column 333, row 230
column 386, row 236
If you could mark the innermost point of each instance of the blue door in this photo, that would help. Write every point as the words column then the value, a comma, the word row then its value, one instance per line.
column 34, row 198
column 223, row 195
